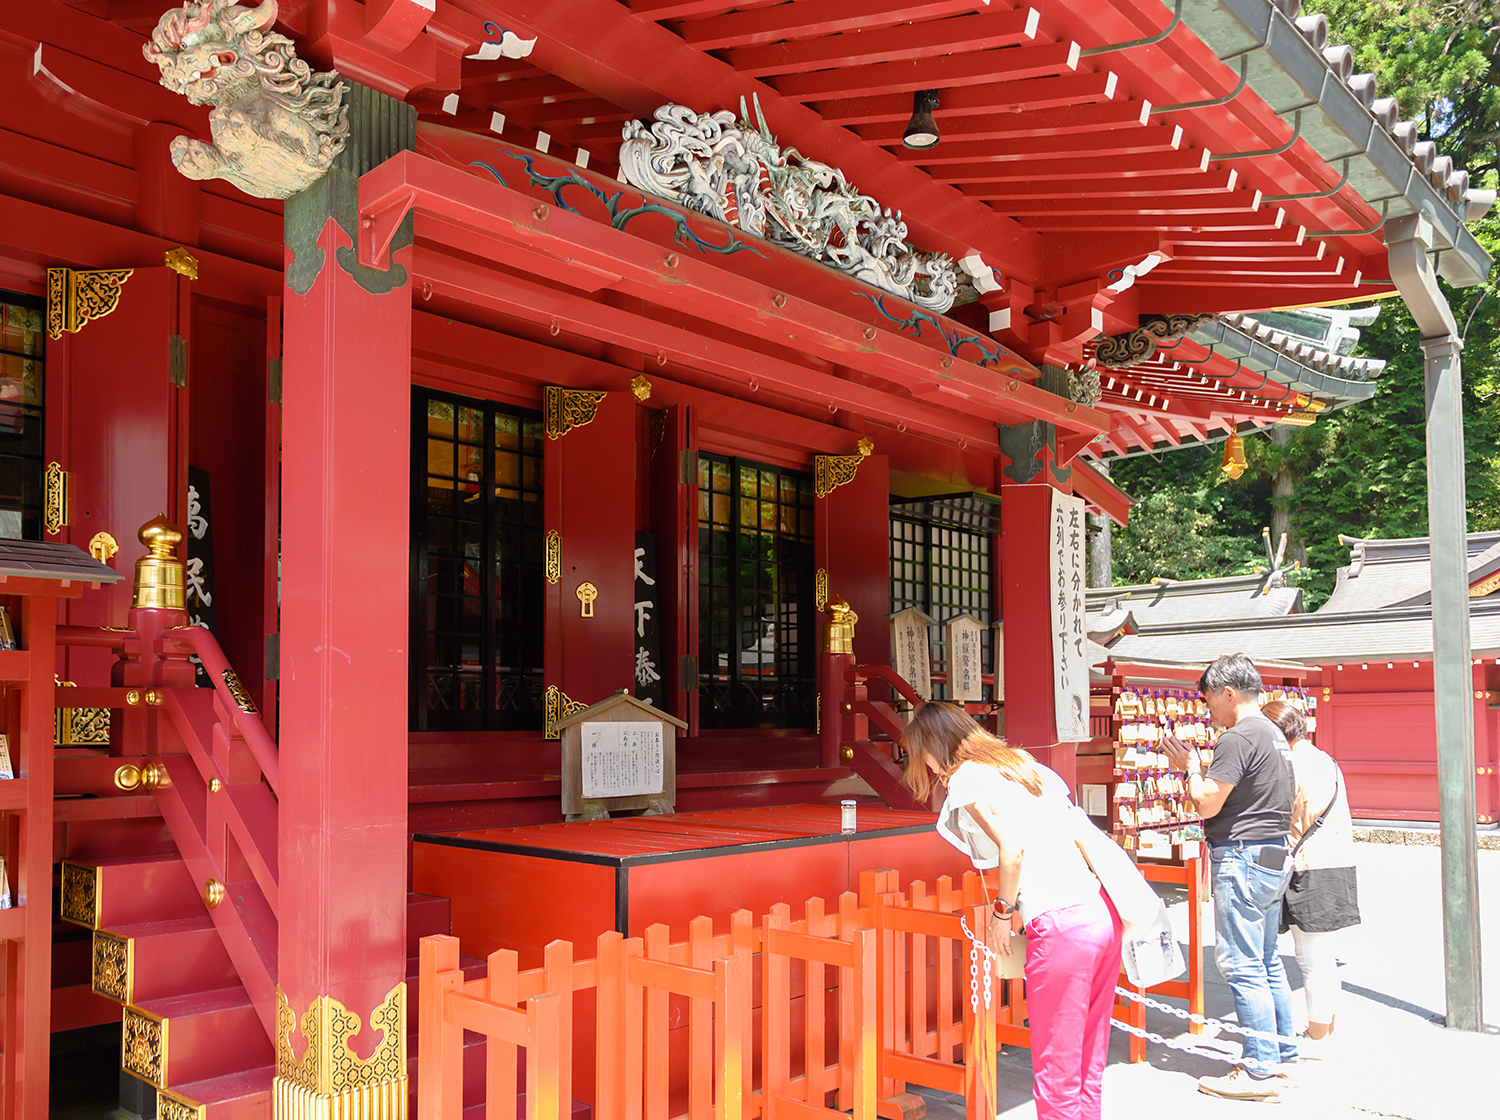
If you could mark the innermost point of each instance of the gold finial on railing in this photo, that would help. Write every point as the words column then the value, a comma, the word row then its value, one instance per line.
column 158, row 574
column 839, row 636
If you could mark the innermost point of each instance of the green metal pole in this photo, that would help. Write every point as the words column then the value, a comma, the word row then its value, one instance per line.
column 1453, row 681
column 1409, row 240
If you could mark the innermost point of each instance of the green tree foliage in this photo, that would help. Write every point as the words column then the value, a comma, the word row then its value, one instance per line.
column 1361, row 471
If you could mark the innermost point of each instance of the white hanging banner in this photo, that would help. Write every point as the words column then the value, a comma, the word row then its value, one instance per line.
column 1070, row 663
column 965, row 658
column 911, row 651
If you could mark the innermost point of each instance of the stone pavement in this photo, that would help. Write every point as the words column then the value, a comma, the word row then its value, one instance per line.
column 1394, row 1058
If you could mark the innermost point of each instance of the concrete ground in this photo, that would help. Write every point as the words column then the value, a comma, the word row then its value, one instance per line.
column 1394, row 1058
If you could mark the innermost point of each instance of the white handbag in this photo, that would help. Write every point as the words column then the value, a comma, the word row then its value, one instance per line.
column 1149, row 948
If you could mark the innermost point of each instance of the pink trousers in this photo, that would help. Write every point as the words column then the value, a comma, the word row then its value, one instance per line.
column 1072, row 965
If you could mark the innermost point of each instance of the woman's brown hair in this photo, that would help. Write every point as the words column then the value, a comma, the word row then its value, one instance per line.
column 1293, row 723
column 950, row 737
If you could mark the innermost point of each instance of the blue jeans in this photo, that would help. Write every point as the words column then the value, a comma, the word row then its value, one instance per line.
column 1247, row 914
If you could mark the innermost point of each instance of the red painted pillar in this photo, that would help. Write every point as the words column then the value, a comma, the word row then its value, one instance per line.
column 1030, row 718
column 346, row 459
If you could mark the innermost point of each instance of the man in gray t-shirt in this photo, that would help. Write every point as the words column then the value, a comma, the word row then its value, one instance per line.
column 1245, row 800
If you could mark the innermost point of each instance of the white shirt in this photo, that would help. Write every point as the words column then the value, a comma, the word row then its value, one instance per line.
column 1053, row 872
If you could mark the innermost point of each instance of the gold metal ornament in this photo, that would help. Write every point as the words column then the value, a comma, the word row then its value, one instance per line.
column 838, row 636
column 1485, row 586
column 214, row 785
column 554, row 556
column 151, row 776
column 820, row 589
column 158, row 574
column 558, row 707
column 640, row 387
column 54, row 498
column 586, row 593
column 180, row 260
column 103, row 546
column 79, row 902
column 237, row 690
column 133, row 697
column 330, row 1080
column 75, row 297
column 566, row 409
column 213, row 894
column 143, row 1046
column 113, row 968
column 832, row 471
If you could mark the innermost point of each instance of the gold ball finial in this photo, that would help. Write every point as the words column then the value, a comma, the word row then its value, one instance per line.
column 161, row 537
column 158, row 574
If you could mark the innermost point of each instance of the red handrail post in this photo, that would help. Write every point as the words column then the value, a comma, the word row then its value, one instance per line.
column 832, row 667
column 979, row 1047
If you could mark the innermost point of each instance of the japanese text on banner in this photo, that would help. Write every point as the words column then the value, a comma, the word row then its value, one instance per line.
column 1069, row 640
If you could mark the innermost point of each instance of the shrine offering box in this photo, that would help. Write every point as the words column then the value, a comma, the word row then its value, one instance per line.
column 519, row 888
column 619, row 753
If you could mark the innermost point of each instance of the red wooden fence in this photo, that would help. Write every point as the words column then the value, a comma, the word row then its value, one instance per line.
column 909, row 1010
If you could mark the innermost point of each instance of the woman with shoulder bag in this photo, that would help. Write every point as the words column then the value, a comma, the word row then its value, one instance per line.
column 1006, row 810
column 1323, row 897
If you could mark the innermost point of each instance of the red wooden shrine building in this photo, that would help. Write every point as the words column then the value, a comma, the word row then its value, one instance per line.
column 473, row 428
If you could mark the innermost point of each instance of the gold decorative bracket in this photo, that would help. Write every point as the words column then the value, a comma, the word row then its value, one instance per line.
column 559, row 706
column 174, row 1106
column 143, row 1046
column 1485, row 586
column 832, row 471
column 80, row 894
column 640, row 387
column 554, row 556
column 820, row 589
column 75, row 298
column 180, row 260
column 566, row 409
column 113, row 966
column 330, row 1080
column 54, row 498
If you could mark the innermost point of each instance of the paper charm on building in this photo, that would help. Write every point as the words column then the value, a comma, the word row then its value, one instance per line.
column 737, row 173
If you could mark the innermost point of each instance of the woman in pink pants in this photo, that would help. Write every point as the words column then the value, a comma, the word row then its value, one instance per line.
column 1006, row 810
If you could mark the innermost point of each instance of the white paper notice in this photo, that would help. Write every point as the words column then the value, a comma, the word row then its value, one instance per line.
column 622, row 759
column 1069, row 641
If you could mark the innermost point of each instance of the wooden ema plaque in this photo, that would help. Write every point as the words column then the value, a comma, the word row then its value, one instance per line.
column 620, row 754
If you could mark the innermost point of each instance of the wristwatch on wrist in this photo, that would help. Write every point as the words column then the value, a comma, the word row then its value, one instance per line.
column 1003, row 909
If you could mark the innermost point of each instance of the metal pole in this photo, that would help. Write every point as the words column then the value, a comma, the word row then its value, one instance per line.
column 1453, row 681
column 1409, row 240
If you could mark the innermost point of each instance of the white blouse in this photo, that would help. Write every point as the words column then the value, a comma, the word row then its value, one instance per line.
column 1054, row 874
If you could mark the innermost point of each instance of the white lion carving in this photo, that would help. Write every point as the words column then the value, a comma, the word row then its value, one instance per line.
column 276, row 125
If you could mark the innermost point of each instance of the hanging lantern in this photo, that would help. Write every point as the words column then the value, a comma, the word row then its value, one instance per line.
column 1234, row 456
column 922, row 131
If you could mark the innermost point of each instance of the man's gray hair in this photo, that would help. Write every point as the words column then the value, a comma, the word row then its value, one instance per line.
column 1233, row 670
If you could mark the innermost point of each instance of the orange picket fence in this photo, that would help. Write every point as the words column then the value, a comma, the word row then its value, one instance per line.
column 884, row 985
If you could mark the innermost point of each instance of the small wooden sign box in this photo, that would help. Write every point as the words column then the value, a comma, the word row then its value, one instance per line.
column 620, row 753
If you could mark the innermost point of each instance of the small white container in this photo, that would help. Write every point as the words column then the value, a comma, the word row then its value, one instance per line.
column 846, row 816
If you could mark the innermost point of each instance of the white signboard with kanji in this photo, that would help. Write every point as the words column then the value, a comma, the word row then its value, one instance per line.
column 965, row 642
column 1066, row 541
column 622, row 759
